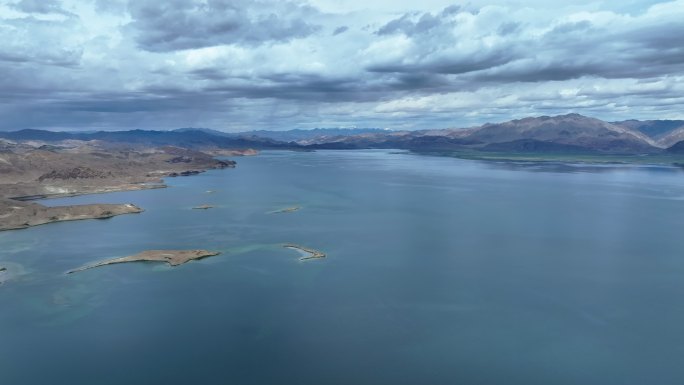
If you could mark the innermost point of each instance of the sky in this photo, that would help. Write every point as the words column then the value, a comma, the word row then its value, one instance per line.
column 237, row 65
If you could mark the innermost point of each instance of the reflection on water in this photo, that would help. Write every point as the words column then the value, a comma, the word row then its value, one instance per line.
column 563, row 167
column 438, row 271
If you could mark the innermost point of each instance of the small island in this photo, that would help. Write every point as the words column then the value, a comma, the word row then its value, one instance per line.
column 203, row 207
column 286, row 210
column 312, row 253
column 171, row 257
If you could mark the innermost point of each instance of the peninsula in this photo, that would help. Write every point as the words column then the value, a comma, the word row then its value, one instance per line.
column 20, row 215
column 171, row 257
column 32, row 170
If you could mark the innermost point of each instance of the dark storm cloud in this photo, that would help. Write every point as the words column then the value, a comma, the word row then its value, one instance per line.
column 208, row 74
column 313, row 87
column 451, row 10
column 162, row 26
column 300, row 87
column 449, row 65
column 661, row 43
column 569, row 50
column 408, row 26
column 415, row 81
column 575, row 50
column 508, row 28
column 340, row 30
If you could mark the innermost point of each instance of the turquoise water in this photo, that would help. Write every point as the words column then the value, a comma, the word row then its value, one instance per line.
column 439, row 271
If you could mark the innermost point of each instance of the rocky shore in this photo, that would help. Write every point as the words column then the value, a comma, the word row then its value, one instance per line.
column 171, row 257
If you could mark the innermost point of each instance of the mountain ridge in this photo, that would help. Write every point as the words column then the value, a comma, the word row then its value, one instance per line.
column 570, row 132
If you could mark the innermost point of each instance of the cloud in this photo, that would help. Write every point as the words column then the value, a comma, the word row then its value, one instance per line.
column 29, row 40
column 39, row 6
column 110, row 6
column 493, row 45
column 162, row 26
column 239, row 64
column 409, row 26
column 340, row 30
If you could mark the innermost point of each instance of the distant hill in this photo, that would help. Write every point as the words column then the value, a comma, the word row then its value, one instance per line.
column 189, row 138
column 298, row 135
column 677, row 148
column 206, row 131
column 29, row 134
column 655, row 129
column 672, row 138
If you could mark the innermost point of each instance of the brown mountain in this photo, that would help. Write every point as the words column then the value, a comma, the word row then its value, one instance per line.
column 568, row 130
column 564, row 133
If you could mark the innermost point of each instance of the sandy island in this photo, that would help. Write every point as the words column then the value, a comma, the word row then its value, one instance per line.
column 287, row 210
column 313, row 254
column 172, row 257
column 203, row 207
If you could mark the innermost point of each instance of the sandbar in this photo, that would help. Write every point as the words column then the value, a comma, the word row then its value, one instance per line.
column 287, row 210
column 313, row 253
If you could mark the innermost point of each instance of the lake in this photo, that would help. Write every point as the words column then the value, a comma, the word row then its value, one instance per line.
column 438, row 271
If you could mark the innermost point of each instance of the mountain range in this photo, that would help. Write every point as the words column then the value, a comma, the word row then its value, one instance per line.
column 571, row 133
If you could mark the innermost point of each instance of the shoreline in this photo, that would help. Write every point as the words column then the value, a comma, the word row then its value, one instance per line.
column 132, row 187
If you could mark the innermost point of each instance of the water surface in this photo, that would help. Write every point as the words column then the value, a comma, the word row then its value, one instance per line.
column 439, row 271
